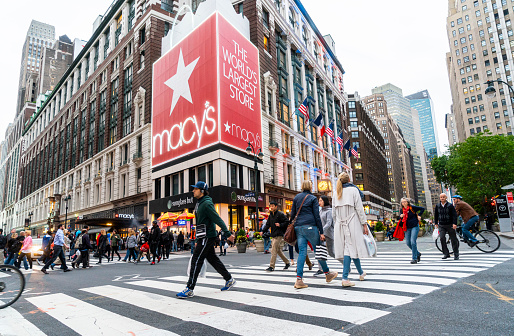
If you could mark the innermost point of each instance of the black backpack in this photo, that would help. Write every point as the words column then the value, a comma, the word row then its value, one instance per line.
column 166, row 237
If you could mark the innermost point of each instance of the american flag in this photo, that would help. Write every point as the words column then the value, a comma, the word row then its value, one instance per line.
column 354, row 152
column 304, row 110
column 330, row 130
column 339, row 139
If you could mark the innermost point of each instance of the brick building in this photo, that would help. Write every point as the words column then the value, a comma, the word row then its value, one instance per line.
column 370, row 168
column 89, row 140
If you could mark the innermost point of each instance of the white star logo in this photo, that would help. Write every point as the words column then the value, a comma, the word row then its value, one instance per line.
column 179, row 82
column 227, row 127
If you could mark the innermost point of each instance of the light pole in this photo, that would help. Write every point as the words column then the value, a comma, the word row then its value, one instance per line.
column 250, row 150
column 30, row 214
column 490, row 91
column 66, row 199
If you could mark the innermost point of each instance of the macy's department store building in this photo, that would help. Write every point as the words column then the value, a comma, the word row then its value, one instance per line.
column 206, row 109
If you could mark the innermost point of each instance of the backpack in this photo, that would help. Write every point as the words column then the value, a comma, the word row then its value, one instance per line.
column 166, row 237
column 81, row 246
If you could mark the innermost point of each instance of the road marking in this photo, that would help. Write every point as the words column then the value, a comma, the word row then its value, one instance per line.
column 352, row 314
column 494, row 292
column 249, row 274
column 13, row 323
column 248, row 324
column 87, row 319
column 334, row 290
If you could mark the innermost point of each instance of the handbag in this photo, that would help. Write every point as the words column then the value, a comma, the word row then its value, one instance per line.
column 370, row 245
column 321, row 251
column 201, row 231
column 290, row 235
column 399, row 233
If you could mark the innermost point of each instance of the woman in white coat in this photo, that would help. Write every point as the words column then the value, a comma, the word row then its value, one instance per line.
column 350, row 226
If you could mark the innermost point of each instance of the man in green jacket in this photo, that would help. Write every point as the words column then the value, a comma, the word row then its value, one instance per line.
column 206, row 220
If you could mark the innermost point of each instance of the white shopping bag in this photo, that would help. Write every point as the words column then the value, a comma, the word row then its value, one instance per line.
column 435, row 234
column 203, row 271
column 226, row 246
column 371, row 246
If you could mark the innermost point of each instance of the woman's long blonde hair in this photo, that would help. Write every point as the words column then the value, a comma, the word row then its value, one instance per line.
column 341, row 179
column 131, row 232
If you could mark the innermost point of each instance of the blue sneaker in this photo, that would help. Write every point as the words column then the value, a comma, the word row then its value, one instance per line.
column 185, row 294
column 229, row 284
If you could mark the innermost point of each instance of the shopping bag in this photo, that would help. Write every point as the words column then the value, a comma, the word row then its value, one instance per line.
column 399, row 233
column 370, row 245
column 321, row 251
column 203, row 271
column 435, row 234
column 226, row 246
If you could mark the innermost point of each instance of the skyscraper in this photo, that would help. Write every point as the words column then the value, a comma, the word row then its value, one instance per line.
column 422, row 102
column 39, row 36
column 407, row 119
column 481, row 39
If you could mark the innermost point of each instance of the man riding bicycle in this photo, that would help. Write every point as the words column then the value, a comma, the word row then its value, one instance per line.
column 469, row 217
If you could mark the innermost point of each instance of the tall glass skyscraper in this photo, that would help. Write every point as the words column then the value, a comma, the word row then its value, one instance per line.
column 422, row 102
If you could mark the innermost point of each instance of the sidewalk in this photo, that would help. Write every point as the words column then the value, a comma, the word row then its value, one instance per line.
column 509, row 235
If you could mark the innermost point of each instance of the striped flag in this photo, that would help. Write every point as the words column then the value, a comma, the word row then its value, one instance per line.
column 330, row 130
column 339, row 139
column 354, row 152
column 304, row 109
column 346, row 167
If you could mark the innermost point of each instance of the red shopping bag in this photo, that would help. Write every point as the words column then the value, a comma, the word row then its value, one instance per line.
column 399, row 233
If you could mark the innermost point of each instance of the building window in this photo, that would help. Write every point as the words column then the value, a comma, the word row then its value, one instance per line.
column 265, row 17
column 358, row 165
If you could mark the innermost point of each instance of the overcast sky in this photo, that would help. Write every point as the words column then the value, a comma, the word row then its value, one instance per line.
column 402, row 42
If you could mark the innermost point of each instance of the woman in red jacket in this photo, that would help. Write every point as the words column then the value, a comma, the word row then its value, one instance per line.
column 409, row 220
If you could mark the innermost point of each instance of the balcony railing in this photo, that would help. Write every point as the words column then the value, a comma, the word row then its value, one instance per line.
column 137, row 155
column 273, row 144
column 124, row 162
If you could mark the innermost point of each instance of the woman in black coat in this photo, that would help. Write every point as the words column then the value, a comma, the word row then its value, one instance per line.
column 102, row 246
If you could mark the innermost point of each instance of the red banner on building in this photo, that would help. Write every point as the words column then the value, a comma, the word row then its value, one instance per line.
column 206, row 90
column 510, row 198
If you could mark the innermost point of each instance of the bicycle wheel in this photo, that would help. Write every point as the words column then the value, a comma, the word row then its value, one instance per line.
column 488, row 241
column 448, row 244
column 12, row 283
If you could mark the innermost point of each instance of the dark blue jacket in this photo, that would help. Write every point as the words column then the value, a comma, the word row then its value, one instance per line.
column 309, row 214
column 412, row 218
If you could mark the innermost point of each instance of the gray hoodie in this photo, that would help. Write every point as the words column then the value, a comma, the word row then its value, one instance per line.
column 326, row 220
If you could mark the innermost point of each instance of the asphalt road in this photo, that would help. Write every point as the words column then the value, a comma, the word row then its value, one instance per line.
column 479, row 304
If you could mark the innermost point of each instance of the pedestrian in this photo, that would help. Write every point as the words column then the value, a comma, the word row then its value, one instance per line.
column 26, row 250
column 3, row 242
column 325, row 214
column 7, row 238
column 115, row 245
column 68, row 242
column 58, row 252
column 83, row 244
column 409, row 220
column 155, row 239
column 166, row 239
column 308, row 229
column 180, row 241
column 21, row 239
column 143, row 244
column 445, row 217
column 350, row 226
column 131, row 246
column 102, row 246
column 489, row 221
column 206, row 220
column 46, row 243
column 266, row 236
column 174, row 242
column 277, row 222
column 469, row 218
column 13, row 248
column 223, row 241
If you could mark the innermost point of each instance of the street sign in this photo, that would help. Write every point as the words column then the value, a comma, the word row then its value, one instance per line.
column 510, row 198
column 502, row 208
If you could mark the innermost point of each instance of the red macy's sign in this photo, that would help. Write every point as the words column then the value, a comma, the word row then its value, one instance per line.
column 206, row 90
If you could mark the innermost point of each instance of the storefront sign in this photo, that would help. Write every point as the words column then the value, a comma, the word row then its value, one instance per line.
column 182, row 222
column 124, row 216
column 510, row 198
column 324, row 186
column 206, row 90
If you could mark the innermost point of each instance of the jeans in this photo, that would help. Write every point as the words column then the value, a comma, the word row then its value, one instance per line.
column 24, row 257
column 174, row 246
column 347, row 260
column 467, row 226
column 11, row 258
column 131, row 252
column 267, row 244
column 306, row 234
column 411, row 237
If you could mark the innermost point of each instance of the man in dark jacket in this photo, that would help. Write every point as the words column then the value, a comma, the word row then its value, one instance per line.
column 445, row 218
column 206, row 220
column 155, row 239
column 166, row 240
column 277, row 222
column 3, row 242
column 142, row 240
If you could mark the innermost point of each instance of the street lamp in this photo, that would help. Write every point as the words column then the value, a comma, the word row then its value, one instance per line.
column 66, row 199
column 490, row 92
column 250, row 150
column 30, row 214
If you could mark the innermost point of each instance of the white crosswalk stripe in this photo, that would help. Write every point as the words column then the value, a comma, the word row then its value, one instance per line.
column 258, row 300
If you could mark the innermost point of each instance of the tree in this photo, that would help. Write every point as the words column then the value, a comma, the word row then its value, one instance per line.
column 477, row 167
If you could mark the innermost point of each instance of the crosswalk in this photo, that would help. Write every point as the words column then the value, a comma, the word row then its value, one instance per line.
column 260, row 301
